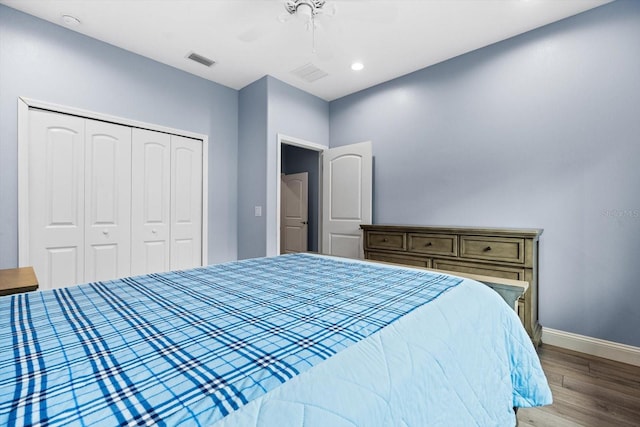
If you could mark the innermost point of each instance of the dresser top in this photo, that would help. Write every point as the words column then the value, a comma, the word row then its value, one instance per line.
column 478, row 231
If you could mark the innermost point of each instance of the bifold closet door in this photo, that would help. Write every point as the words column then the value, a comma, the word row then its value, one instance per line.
column 56, row 198
column 150, row 202
column 107, row 201
column 186, row 202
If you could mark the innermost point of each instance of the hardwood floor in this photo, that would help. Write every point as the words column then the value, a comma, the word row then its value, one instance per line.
column 587, row 391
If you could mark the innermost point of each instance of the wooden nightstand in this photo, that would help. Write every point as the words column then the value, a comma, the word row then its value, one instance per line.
column 17, row 280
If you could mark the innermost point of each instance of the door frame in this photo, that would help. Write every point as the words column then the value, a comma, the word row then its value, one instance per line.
column 25, row 104
column 290, row 140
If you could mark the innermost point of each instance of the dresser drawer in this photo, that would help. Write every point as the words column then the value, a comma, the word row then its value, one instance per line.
column 414, row 262
column 387, row 240
column 434, row 244
column 505, row 249
column 513, row 273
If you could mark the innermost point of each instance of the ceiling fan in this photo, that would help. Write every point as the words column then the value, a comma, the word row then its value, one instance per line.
column 308, row 10
column 319, row 15
column 308, row 7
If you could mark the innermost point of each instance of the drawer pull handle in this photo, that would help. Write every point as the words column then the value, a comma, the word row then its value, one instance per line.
column 487, row 249
column 385, row 240
column 428, row 244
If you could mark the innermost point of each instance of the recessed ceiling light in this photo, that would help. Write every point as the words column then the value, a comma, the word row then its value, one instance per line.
column 71, row 21
column 357, row 66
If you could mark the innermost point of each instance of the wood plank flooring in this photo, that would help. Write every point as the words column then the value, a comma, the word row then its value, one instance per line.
column 587, row 391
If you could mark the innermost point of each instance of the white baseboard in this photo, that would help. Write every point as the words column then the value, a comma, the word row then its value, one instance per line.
column 593, row 346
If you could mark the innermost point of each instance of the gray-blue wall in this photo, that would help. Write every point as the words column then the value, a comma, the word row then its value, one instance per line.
column 269, row 107
column 295, row 113
column 542, row 130
column 252, row 169
column 46, row 62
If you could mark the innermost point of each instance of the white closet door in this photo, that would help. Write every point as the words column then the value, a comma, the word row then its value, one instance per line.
column 107, row 201
column 56, row 198
column 186, row 202
column 150, row 201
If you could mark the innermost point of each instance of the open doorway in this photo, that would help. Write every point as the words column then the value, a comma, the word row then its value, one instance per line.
column 344, row 196
column 299, row 199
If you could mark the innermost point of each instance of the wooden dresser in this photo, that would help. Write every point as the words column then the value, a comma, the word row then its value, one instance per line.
column 496, row 252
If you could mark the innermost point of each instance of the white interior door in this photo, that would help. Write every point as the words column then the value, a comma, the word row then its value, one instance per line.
column 150, row 201
column 294, row 213
column 108, row 201
column 347, row 186
column 186, row 202
column 56, row 198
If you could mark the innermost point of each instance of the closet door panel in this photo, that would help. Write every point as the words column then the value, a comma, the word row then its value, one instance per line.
column 150, row 203
column 56, row 198
column 155, row 256
column 186, row 202
column 63, row 267
column 107, row 201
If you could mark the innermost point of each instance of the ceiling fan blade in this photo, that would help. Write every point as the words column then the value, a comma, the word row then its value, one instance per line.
column 328, row 10
column 284, row 17
column 327, row 24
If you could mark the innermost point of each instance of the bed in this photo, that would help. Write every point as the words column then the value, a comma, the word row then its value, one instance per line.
column 293, row 340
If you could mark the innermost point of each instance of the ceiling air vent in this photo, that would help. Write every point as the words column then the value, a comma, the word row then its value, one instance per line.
column 201, row 59
column 309, row 73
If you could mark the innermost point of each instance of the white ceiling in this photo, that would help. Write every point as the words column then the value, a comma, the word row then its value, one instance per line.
column 247, row 39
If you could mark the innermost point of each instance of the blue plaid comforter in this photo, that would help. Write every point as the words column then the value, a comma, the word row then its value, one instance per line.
column 189, row 347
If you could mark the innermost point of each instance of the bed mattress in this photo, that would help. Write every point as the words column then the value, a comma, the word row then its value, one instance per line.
column 290, row 340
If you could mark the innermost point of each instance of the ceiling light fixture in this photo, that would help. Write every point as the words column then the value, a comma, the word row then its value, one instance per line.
column 307, row 11
column 357, row 66
column 306, row 7
column 71, row 21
